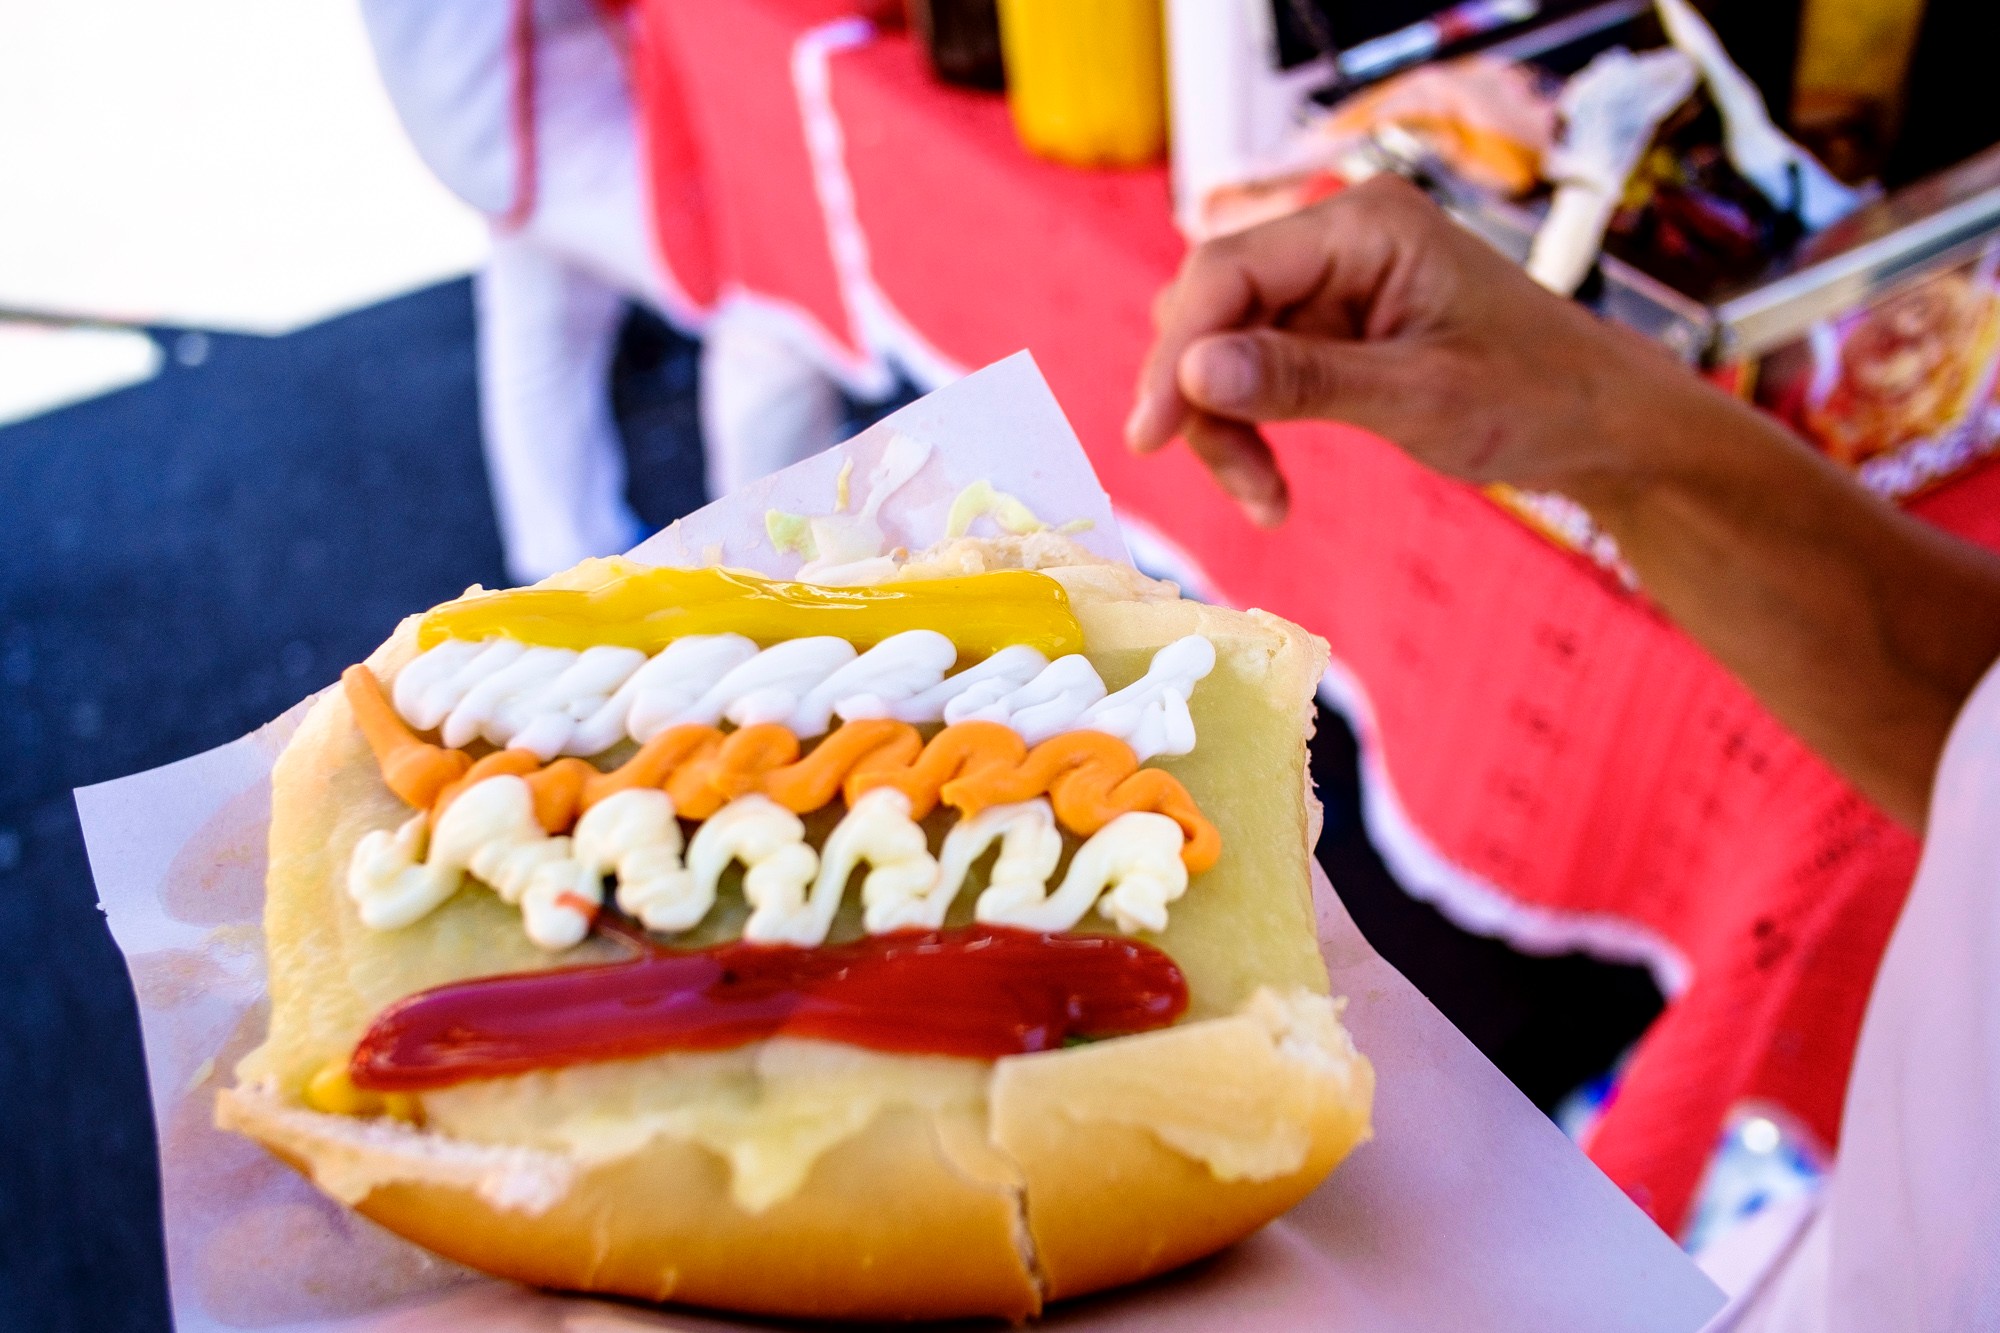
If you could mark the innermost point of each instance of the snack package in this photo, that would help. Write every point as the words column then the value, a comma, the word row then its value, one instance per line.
column 1491, row 122
column 1901, row 390
column 878, row 1148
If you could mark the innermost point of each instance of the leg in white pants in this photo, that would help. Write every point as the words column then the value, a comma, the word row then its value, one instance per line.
column 551, row 297
column 765, row 403
column 547, row 334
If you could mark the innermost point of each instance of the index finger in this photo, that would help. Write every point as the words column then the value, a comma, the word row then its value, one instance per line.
column 1228, row 283
column 1327, row 264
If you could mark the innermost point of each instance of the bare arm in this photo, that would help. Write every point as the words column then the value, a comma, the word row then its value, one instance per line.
column 1861, row 628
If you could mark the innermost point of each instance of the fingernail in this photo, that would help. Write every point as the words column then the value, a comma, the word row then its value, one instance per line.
column 1136, row 423
column 1265, row 513
column 1225, row 372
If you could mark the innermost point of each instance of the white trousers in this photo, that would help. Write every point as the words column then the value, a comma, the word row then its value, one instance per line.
column 553, row 293
column 546, row 336
column 766, row 400
column 548, row 331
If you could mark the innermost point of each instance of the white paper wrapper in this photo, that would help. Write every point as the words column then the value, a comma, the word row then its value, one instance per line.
column 1469, row 1209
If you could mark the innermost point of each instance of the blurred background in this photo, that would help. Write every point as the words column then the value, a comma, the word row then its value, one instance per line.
column 312, row 315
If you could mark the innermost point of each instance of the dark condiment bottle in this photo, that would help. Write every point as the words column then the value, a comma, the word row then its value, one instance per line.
column 962, row 38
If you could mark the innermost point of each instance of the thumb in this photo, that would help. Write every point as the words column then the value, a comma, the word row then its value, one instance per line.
column 1273, row 375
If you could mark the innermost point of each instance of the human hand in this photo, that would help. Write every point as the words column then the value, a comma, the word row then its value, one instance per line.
column 1374, row 308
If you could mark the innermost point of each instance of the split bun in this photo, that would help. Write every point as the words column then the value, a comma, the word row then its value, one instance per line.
column 797, row 1178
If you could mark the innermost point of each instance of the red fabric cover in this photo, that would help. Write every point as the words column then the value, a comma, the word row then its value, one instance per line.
column 723, row 72
column 677, row 177
column 1544, row 729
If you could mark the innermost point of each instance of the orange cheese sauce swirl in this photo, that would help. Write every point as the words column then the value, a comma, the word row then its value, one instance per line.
column 1090, row 777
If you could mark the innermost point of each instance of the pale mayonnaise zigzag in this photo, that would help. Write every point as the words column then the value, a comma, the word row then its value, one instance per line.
column 1129, row 870
column 555, row 701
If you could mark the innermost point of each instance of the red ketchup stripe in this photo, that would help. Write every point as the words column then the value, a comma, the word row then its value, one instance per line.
column 984, row 991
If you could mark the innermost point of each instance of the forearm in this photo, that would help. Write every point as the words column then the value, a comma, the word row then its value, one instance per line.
column 1861, row 628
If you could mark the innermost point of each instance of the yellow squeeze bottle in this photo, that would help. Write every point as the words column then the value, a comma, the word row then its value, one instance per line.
column 1086, row 79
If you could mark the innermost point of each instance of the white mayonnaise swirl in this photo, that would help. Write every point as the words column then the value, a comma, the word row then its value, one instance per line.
column 1151, row 714
column 555, row 701
column 1129, row 870
column 633, row 834
column 770, row 841
column 878, row 830
column 490, row 831
column 1134, row 862
column 389, row 880
column 1030, row 847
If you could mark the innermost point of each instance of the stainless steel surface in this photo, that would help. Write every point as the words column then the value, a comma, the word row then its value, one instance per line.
column 1681, row 324
column 1637, row 300
column 1552, row 36
column 1923, row 229
column 1685, row 326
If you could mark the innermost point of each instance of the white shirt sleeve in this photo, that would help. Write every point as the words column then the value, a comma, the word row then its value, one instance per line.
column 1908, row 1236
column 449, row 68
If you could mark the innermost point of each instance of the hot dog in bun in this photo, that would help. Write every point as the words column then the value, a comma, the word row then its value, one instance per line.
column 937, row 947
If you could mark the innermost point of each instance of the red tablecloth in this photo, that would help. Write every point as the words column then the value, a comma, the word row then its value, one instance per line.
column 1545, row 757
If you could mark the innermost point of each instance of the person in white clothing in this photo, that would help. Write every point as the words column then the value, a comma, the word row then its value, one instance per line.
column 524, row 110
column 1872, row 635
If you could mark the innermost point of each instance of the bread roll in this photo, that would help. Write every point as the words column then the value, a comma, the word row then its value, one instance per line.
column 808, row 1178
